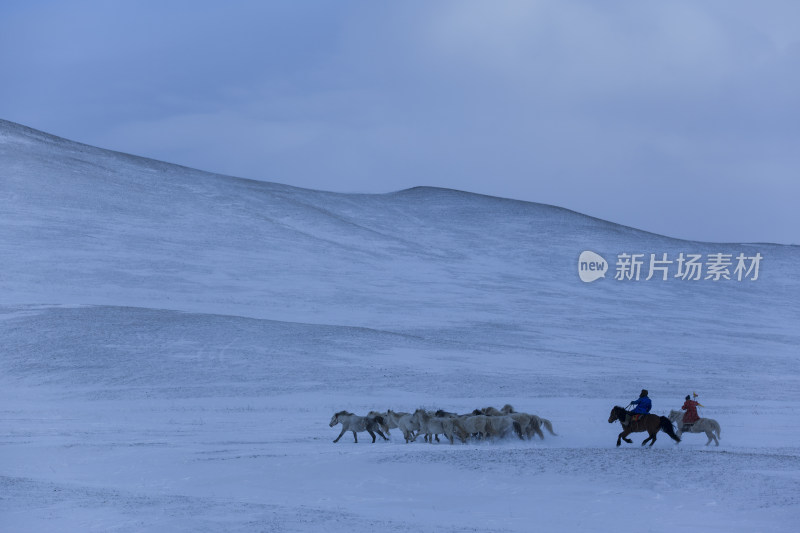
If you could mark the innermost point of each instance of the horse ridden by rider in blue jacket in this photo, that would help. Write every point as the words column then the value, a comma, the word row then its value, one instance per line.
column 643, row 406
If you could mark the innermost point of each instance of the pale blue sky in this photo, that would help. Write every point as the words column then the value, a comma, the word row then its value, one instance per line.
column 679, row 117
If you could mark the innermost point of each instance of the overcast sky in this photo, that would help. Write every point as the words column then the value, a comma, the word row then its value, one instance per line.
column 677, row 117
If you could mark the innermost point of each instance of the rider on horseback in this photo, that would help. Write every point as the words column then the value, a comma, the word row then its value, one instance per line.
column 691, row 416
column 643, row 406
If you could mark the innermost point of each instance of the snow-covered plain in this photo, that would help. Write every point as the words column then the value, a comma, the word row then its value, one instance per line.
column 175, row 343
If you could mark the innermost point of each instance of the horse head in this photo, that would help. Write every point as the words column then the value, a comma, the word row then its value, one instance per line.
column 614, row 416
column 335, row 418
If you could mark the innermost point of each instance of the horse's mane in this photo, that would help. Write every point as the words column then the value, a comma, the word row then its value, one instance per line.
column 617, row 409
column 423, row 413
column 340, row 413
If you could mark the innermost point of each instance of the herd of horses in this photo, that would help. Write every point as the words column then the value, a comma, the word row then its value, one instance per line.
column 481, row 424
column 491, row 423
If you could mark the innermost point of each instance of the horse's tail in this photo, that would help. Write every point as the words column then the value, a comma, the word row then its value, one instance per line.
column 378, row 419
column 666, row 427
column 518, row 429
column 546, row 423
column 715, row 427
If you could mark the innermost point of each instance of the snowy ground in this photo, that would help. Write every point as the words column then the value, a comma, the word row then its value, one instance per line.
column 175, row 343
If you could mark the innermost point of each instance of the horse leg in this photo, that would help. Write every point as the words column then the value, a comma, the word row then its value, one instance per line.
column 371, row 434
column 340, row 435
column 627, row 431
column 651, row 436
column 710, row 437
column 355, row 436
column 623, row 435
column 381, row 434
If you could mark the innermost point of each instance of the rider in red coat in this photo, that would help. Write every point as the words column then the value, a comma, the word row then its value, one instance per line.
column 691, row 416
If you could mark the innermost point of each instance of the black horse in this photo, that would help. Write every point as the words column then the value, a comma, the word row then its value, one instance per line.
column 648, row 422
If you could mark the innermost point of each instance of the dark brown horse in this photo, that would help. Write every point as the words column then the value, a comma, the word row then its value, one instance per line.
column 649, row 423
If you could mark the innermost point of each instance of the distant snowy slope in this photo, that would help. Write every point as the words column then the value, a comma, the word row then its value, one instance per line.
column 83, row 225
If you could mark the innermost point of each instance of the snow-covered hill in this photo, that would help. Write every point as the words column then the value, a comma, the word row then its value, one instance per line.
column 176, row 341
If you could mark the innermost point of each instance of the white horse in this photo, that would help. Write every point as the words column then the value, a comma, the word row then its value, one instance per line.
column 709, row 426
column 532, row 424
column 536, row 424
column 502, row 426
column 355, row 423
column 384, row 422
column 432, row 426
column 405, row 421
column 467, row 425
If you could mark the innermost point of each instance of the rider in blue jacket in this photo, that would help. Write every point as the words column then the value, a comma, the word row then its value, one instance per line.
column 642, row 403
column 643, row 406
